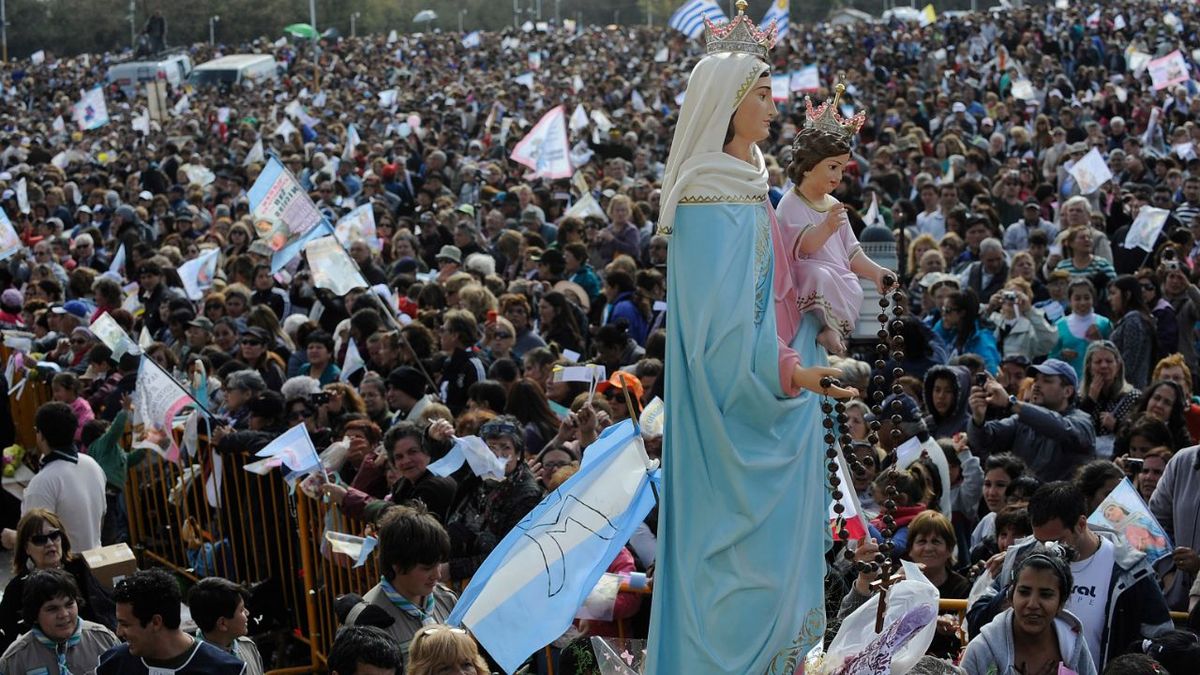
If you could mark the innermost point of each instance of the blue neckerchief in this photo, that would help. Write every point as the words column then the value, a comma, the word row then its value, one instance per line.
column 233, row 648
column 60, row 649
column 67, row 454
column 424, row 616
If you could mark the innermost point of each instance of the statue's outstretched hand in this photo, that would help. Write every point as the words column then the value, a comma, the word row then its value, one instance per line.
column 810, row 378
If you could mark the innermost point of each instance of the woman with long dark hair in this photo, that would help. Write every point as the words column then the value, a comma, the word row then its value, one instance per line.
column 1166, row 401
column 960, row 330
column 626, row 302
column 559, row 323
column 1133, row 333
column 528, row 403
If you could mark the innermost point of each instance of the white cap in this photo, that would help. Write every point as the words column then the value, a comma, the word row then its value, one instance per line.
column 145, row 194
column 958, row 107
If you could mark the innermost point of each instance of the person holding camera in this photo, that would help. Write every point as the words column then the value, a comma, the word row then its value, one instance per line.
column 1021, row 329
column 1051, row 436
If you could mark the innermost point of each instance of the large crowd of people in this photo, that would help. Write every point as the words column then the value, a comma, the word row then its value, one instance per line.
column 1048, row 358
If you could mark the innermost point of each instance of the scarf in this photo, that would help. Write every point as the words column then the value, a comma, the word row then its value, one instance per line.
column 68, row 454
column 425, row 616
column 60, row 649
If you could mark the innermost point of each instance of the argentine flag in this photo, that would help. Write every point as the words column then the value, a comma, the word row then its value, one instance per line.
column 528, row 590
column 689, row 19
column 779, row 14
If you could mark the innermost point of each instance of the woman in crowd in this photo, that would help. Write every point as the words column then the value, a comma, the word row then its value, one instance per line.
column 43, row 544
column 1134, row 333
column 499, row 338
column 1080, row 259
column 442, row 650
column 1106, row 396
column 558, row 322
column 256, row 353
column 1096, row 480
column 528, row 403
column 1035, row 634
column 483, row 511
column 1081, row 327
column 960, row 329
column 999, row 471
column 1165, row 400
column 373, row 390
column 626, row 303
column 516, row 309
column 1166, row 323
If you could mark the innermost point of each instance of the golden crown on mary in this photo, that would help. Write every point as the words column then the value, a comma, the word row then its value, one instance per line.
column 826, row 117
column 739, row 35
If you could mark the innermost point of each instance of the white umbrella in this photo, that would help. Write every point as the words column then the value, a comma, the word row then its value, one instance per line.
column 425, row 16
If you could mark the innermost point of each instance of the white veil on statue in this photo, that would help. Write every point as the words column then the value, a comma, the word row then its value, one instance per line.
column 697, row 167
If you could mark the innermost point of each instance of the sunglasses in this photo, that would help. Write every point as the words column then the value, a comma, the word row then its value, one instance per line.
column 252, row 343
column 503, row 336
column 43, row 539
column 299, row 415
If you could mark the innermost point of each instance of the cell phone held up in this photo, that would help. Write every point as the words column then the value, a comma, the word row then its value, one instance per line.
column 319, row 398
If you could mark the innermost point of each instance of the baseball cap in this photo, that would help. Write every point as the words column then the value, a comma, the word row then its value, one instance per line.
column 74, row 308
column 145, row 195
column 958, row 107
column 201, row 322
column 620, row 380
column 451, row 253
column 1057, row 367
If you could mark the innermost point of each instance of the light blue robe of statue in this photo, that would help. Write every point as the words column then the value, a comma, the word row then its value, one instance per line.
column 743, row 521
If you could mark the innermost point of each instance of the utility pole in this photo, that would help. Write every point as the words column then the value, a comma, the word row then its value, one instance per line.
column 538, row 4
column 516, row 13
column 212, row 31
column 354, row 23
column 461, row 14
column 557, row 17
column 312, row 15
column 4, row 30
column 132, row 27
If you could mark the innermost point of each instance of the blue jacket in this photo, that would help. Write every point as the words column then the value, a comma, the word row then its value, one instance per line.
column 624, row 308
column 982, row 342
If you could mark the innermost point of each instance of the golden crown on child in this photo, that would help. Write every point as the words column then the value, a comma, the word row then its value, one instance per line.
column 826, row 117
column 739, row 35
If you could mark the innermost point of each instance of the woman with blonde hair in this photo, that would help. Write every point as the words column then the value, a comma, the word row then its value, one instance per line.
column 917, row 249
column 1105, row 394
column 439, row 650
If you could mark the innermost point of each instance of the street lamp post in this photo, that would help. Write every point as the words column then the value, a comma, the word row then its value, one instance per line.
column 312, row 13
column 461, row 14
column 516, row 13
column 354, row 24
column 4, row 30
column 212, row 31
column 132, row 27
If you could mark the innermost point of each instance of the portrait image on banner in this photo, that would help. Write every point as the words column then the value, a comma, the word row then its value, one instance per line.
column 284, row 216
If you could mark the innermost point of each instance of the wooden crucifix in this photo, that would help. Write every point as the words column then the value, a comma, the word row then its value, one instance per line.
column 881, row 585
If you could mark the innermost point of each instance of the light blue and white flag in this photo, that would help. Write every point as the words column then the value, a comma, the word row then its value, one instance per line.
column 91, row 112
column 779, row 14
column 528, row 590
column 198, row 273
column 293, row 449
column 471, row 40
column 352, row 141
column 284, row 215
column 689, row 19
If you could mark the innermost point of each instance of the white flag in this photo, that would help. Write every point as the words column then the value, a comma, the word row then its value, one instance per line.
column 387, row 99
column 10, row 242
column 872, row 211
column 256, row 153
column 352, row 141
column 38, row 58
column 353, row 362
column 359, row 225
column 286, row 129
column 1090, row 172
column 662, row 55
column 545, row 148
column 1023, row 90
column 107, row 330
column 58, row 125
column 471, row 40
column 198, row 273
column 297, row 112
column 157, row 399
column 525, row 79
column 1093, row 19
column 91, row 112
column 1136, row 60
column 577, row 84
column 603, row 124
column 636, row 100
column 1119, row 22
column 1146, row 227
column 807, row 78
column 586, row 206
column 780, row 87
column 182, row 105
column 579, row 118
column 141, row 122
column 332, row 267
column 22, row 191
column 391, row 39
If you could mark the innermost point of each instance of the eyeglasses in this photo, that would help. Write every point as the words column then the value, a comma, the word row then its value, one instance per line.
column 43, row 539
column 1147, row 287
column 299, row 415
column 503, row 336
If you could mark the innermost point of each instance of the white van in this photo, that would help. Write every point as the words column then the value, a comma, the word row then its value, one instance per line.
column 229, row 71
column 131, row 75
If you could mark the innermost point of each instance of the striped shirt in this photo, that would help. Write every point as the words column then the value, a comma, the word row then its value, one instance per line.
column 1097, row 265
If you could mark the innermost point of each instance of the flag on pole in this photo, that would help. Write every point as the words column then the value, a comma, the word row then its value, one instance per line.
column 10, row 241
column 472, row 450
column 1125, row 511
column 332, row 267
column 872, row 211
column 579, row 118
column 928, row 15
column 778, row 13
column 471, row 40
column 807, row 78
column 352, row 363
column 1090, row 172
column 352, row 141
column 852, row 513
column 689, row 18
column 293, row 449
column 545, row 148
column 157, row 399
column 256, row 154
column 359, row 225
column 283, row 214
column 198, row 273
column 22, row 190
column 107, row 330
column 1146, row 228
column 528, row 590
column 1168, row 70
column 781, row 87
column 91, row 112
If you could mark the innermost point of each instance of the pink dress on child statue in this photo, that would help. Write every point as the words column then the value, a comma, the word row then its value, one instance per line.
column 824, row 283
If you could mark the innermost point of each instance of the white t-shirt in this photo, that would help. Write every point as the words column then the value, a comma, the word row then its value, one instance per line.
column 1089, row 598
column 75, row 493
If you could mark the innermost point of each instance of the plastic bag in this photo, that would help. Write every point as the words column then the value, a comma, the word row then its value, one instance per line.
column 909, row 624
column 617, row 656
column 599, row 604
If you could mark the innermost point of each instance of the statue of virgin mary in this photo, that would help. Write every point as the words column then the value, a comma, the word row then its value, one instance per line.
column 743, row 516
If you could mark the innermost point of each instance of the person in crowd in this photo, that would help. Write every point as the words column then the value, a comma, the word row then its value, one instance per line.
column 946, row 391
column 960, row 330
column 364, row 650
column 1115, row 594
column 459, row 332
column 148, row 620
column 1166, row 401
column 43, row 544
column 218, row 606
column 1096, row 481
column 1133, row 331
column 413, row 550
column 1174, row 368
column 58, row 640
column 1052, row 437
column 1105, row 395
column 318, row 347
column 1172, row 505
column 1037, row 633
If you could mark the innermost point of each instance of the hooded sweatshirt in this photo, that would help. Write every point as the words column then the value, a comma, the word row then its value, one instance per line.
column 955, row 421
column 992, row 652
